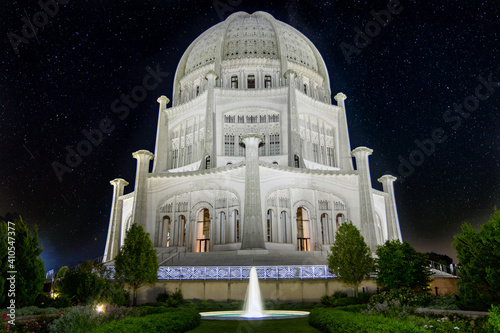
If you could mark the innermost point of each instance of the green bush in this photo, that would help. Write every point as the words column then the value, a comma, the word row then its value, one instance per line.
column 494, row 319
column 173, row 300
column 333, row 320
column 174, row 321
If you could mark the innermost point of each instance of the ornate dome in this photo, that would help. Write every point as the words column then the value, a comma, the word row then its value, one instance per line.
column 251, row 36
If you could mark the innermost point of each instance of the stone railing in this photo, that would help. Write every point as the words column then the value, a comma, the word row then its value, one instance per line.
column 242, row 272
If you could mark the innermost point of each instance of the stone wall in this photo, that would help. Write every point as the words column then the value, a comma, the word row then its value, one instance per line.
column 306, row 290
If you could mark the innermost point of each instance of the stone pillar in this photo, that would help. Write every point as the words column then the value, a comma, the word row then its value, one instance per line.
column 394, row 231
column 162, row 137
column 293, row 127
column 253, row 235
column 114, row 230
column 139, row 208
column 210, row 124
column 344, row 149
column 366, row 206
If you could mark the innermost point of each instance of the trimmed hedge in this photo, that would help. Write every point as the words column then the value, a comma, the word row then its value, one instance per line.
column 177, row 321
column 333, row 320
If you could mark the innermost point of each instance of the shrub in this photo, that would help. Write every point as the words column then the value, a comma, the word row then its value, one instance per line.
column 41, row 324
column 80, row 319
column 333, row 320
column 494, row 319
column 397, row 302
column 175, row 321
column 175, row 299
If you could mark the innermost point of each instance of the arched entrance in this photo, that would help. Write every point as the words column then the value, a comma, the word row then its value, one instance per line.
column 303, row 230
column 203, row 231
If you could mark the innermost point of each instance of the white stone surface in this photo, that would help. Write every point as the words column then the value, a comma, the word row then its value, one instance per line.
column 252, row 74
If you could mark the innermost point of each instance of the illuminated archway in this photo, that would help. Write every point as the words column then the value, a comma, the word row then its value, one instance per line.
column 303, row 230
column 203, row 231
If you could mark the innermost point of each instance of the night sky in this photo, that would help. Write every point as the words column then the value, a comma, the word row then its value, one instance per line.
column 399, row 89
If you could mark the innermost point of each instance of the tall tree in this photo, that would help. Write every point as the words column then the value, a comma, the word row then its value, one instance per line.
column 29, row 267
column 401, row 266
column 479, row 256
column 350, row 259
column 137, row 263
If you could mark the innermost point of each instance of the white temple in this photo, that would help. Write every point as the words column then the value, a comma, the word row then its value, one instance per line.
column 252, row 157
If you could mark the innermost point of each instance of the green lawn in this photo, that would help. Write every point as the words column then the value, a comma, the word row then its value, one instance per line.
column 297, row 325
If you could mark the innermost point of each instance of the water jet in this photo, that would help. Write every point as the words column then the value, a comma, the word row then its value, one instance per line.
column 253, row 309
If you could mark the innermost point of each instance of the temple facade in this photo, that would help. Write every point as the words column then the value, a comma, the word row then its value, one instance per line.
column 252, row 156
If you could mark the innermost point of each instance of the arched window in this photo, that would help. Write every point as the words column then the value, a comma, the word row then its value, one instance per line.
column 203, row 231
column 182, row 230
column 283, row 225
column 296, row 160
column 236, row 222
column 339, row 220
column 222, row 223
column 305, row 88
column 197, row 90
column 324, row 229
column 251, row 81
column 234, row 82
column 166, row 231
column 303, row 234
column 269, row 226
column 267, row 81
column 207, row 162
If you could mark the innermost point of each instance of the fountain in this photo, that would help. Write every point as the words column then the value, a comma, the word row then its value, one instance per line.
column 253, row 306
column 253, row 302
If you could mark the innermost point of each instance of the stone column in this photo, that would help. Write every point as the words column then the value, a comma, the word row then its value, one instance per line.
column 253, row 236
column 390, row 208
column 139, row 208
column 162, row 139
column 114, row 230
column 210, row 124
column 292, row 119
column 344, row 149
column 366, row 206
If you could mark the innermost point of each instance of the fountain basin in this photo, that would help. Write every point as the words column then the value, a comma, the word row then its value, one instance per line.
column 240, row 315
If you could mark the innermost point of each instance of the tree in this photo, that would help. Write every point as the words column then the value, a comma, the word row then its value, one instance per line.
column 479, row 256
column 85, row 284
column 29, row 267
column 401, row 266
column 351, row 259
column 442, row 259
column 137, row 263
